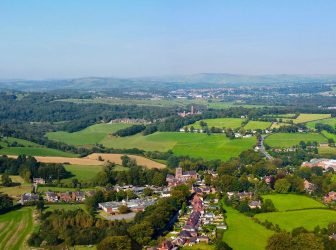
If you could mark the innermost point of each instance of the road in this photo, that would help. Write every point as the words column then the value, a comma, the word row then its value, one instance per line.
column 262, row 148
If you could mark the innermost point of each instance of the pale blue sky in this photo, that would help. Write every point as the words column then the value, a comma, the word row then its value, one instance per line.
column 75, row 38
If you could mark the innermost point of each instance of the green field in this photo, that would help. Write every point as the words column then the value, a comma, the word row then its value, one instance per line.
column 15, row 226
column 83, row 172
column 253, row 125
column 88, row 136
column 284, row 140
column 243, row 233
column 329, row 135
column 29, row 148
column 281, row 116
column 308, row 218
column 65, row 206
column 285, row 202
column 329, row 152
column 17, row 191
column 331, row 122
column 60, row 189
column 220, row 123
column 215, row 146
column 303, row 118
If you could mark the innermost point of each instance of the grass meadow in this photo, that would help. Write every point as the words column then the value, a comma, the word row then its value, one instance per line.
column 285, row 202
column 88, row 136
column 307, row 218
column 303, row 118
column 15, row 226
column 253, row 125
column 284, row 140
column 16, row 191
column 215, row 146
column 243, row 233
column 330, row 121
column 220, row 123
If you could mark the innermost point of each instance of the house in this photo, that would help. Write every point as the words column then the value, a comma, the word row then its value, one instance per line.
column 78, row 196
column 28, row 197
column 330, row 197
column 323, row 163
column 51, row 197
column 308, row 186
column 37, row 181
column 254, row 204
column 180, row 177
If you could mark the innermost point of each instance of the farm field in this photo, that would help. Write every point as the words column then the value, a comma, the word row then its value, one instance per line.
column 15, row 227
column 88, row 136
column 281, row 116
column 17, row 191
column 83, row 172
column 327, row 151
column 285, row 202
column 329, row 135
column 330, row 121
column 278, row 125
column 303, row 118
column 308, row 218
column 215, row 146
column 253, row 125
column 283, row 140
column 220, row 123
column 29, row 148
column 239, row 233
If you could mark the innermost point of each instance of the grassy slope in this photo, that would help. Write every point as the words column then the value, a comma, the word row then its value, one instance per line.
column 83, row 172
column 30, row 148
column 220, row 123
column 309, row 218
column 257, row 125
column 329, row 152
column 16, row 191
column 284, row 202
column 17, row 225
column 331, row 122
column 302, row 118
column 292, row 139
column 90, row 135
column 329, row 135
column 215, row 146
column 243, row 233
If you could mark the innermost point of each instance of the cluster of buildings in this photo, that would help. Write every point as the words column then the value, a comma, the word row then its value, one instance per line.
column 53, row 197
column 180, row 177
column 134, row 205
column 245, row 196
column 330, row 197
column 193, row 111
column 129, row 121
column 323, row 163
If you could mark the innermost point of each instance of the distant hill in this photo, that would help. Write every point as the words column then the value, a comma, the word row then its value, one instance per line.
column 167, row 82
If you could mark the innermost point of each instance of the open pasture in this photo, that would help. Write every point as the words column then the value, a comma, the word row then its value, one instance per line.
column 215, row 146
column 29, row 148
column 329, row 135
column 253, row 125
column 220, row 123
column 329, row 152
column 17, row 191
column 243, row 233
column 88, row 136
column 15, row 226
column 307, row 218
column 285, row 202
column 285, row 140
column 303, row 118
column 330, row 121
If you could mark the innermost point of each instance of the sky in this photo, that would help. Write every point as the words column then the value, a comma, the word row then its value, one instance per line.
column 123, row 38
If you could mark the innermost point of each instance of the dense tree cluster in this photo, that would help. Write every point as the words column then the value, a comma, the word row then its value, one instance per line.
column 6, row 203
column 132, row 130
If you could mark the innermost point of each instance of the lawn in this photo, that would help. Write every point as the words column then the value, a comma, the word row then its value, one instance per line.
column 220, row 123
column 284, row 202
column 215, row 146
column 331, row 122
column 199, row 246
column 309, row 218
column 253, row 125
column 302, row 118
column 243, row 233
column 285, row 140
column 15, row 226
column 88, row 136
column 67, row 207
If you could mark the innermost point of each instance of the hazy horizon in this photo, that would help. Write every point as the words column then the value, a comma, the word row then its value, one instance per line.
column 123, row 39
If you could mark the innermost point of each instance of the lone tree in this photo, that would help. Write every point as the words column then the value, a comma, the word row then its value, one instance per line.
column 123, row 209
